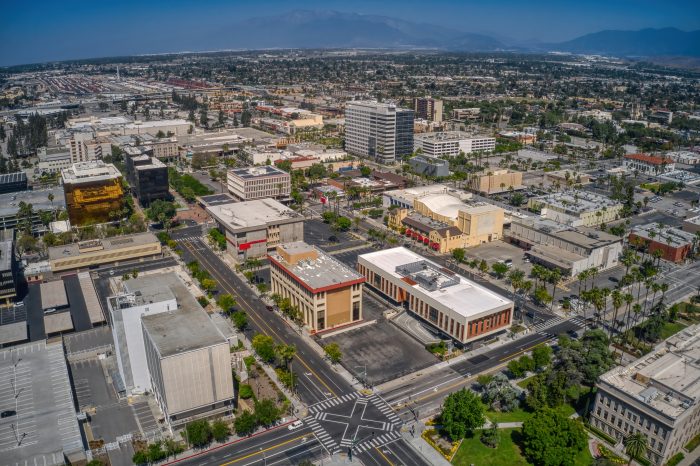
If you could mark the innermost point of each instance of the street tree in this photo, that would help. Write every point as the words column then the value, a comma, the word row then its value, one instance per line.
column 333, row 352
column 220, row 430
column 552, row 439
column 264, row 346
column 198, row 433
column 245, row 423
column 462, row 412
column 226, row 302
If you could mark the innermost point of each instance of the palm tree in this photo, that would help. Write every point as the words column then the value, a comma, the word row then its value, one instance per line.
column 636, row 445
column 553, row 277
column 617, row 300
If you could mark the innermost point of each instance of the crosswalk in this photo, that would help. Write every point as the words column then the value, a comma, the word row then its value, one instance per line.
column 394, row 420
column 322, row 436
column 192, row 237
column 542, row 326
column 377, row 441
column 323, row 405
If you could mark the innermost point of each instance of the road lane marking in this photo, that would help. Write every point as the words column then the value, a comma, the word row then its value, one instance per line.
column 264, row 450
column 384, row 456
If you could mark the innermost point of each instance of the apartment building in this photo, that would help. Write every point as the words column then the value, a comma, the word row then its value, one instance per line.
column 84, row 147
column 379, row 131
column 327, row 293
column 656, row 395
column 92, row 190
column 451, row 143
column 455, row 306
column 428, row 108
column 253, row 228
column 262, row 182
column 577, row 208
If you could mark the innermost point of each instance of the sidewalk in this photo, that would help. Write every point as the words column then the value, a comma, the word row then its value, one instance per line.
column 428, row 453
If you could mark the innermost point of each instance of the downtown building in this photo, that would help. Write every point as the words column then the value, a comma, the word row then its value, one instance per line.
column 327, row 293
column 656, row 395
column 455, row 306
column 428, row 108
column 92, row 191
column 148, row 178
column 261, row 182
column 577, row 208
column 451, row 143
column 379, row 131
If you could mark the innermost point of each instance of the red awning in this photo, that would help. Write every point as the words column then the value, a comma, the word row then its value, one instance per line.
column 426, row 240
column 408, row 232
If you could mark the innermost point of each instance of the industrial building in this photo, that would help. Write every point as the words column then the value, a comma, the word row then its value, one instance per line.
column 457, row 307
column 570, row 249
column 189, row 362
column 327, row 293
column 253, row 228
column 261, row 182
column 8, row 267
column 92, row 191
column 148, row 178
column 577, row 208
column 451, row 143
column 44, row 200
column 379, row 131
column 656, row 395
column 496, row 181
column 674, row 244
column 86, row 254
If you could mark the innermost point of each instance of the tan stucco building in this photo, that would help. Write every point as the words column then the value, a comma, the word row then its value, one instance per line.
column 496, row 181
column 327, row 293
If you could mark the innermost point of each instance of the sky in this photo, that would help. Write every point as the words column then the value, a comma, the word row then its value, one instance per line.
column 36, row 31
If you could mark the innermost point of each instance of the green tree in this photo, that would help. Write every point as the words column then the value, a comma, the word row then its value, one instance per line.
column 266, row 413
column 198, row 433
column 240, row 320
column 285, row 353
column 245, row 423
column 333, row 352
column 483, row 266
column 636, row 445
column 491, row 437
column 515, row 368
column 140, row 457
column 226, row 302
column 462, row 412
column 343, row 223
column 220, row 430
column 542, row 356
column 552, row 439
column 264, row 346
column 161, row 211
column 458, row 254
column 208, row 284
column 500, row 269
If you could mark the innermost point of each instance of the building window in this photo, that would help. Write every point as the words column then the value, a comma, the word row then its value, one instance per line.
column 433, row 315
column 356, row 311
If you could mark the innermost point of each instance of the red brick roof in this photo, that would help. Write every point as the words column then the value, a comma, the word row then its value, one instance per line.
column 652, row 159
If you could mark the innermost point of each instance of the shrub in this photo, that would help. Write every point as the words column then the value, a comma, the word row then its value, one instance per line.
column 245, row 391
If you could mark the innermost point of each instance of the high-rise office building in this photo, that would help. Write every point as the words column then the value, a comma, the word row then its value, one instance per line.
column 92, row 190
column 380, row 131
column 148, row 178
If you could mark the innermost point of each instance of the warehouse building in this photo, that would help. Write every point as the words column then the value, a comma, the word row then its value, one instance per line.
column 656, row 395
column 327, row 293
column 253, row 228
column 457, row 307
column 577, row 208
column 86, row 254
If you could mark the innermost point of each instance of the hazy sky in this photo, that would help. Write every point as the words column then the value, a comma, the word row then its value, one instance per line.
column 45, row 30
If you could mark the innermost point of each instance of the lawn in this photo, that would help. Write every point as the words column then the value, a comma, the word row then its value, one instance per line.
column 671, row 328
column 525, row 382
column 472, row 451
column 520, row 415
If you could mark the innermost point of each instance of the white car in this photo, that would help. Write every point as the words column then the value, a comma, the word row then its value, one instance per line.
column 295, row 425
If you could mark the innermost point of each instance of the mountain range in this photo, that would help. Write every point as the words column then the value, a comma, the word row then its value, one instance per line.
column 332, row 29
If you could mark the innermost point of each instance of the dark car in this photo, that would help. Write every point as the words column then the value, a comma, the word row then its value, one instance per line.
column 270, row 308
column 8, row 413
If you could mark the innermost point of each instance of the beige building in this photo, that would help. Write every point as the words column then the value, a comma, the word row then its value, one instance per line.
column 259, row 183
column 496, row 181
column 84, row 147
column 566, row 178
column 84, row 254
column 656, row 395
column 577, row 208
column 189, row 362
column 326, row 292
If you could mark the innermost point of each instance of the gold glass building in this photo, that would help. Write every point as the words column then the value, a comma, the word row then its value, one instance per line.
column 92, row 190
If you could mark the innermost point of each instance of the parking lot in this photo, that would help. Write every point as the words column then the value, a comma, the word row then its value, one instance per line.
column 500, row 250
column 385, row 351
column 349, row 258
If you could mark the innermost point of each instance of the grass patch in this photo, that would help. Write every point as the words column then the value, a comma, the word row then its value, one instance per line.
column 600, row 434
column 522, row 415
column 509, row 452
column 525, row 382
column 693, row 444
column 671, row 328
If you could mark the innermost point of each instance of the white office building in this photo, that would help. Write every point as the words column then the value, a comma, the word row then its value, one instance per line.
column 450, row 143
column 380, row 131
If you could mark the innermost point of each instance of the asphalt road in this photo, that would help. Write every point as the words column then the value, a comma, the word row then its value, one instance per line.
column 316, row 381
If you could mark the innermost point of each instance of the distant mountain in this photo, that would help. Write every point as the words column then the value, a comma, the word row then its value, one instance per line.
column 642, row 43
column 332, row 29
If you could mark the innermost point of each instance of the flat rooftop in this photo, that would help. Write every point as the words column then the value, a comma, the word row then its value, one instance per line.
column 584, row 237
column 408, row 195
column 145, row 289
column 118, row 242
column 673, row 237
column 453, row 291
column 186, row 329
column 53, row 295
column 89, row 172
column 257, row 172
column 251, row 214
column 320, row 272
column 448, row 136
column 576, row 201
column 45, row 410
column 9, row 202
column 668, row 378
column 6, row 252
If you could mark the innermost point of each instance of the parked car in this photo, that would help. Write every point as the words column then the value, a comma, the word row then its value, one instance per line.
column 8, row 413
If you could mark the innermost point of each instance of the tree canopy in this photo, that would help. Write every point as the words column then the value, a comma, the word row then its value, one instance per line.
column 462, row 412
column 552, row 439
